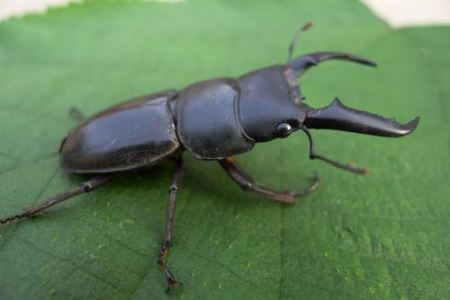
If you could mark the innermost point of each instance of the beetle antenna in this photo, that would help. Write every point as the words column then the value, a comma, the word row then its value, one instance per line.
column 296, row 37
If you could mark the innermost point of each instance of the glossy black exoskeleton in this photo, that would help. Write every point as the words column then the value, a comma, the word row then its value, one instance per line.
column 213, row 120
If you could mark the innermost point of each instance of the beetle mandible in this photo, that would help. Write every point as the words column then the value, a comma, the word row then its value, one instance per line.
column 213, row 120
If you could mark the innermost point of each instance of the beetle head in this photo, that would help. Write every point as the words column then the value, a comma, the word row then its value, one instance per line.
column 272, row 105
column 269, row 106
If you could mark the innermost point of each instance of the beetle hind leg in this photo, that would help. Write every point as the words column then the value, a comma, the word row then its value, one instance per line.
column 238, row 175
column 170, row 215
column 76, row 114
column 85, row 187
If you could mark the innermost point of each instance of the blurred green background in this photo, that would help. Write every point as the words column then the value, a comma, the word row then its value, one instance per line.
column 385, row 235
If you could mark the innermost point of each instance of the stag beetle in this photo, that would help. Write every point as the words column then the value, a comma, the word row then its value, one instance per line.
column 213, row 120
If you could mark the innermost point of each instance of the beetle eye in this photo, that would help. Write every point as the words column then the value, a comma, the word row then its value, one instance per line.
column 284, row 129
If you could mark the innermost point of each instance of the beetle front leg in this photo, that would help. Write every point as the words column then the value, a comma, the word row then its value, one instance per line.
column 344, row 166
column 171, row 205
column 245, row 181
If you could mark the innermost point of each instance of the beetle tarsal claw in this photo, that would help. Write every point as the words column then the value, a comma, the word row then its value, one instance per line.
column 313, row 185
column 358, row 169
column 173, row 284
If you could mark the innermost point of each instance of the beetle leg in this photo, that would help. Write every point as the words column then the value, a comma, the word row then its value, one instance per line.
column 344, row 166
column 85, row 187
column 245, row 181
column 76, row 113
column 171, row 204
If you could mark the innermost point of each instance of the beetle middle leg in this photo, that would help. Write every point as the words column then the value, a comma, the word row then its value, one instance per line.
column 170, row 215
column 245, row 181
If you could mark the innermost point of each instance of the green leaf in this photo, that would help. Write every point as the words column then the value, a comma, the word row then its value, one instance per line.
column 380, row 236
